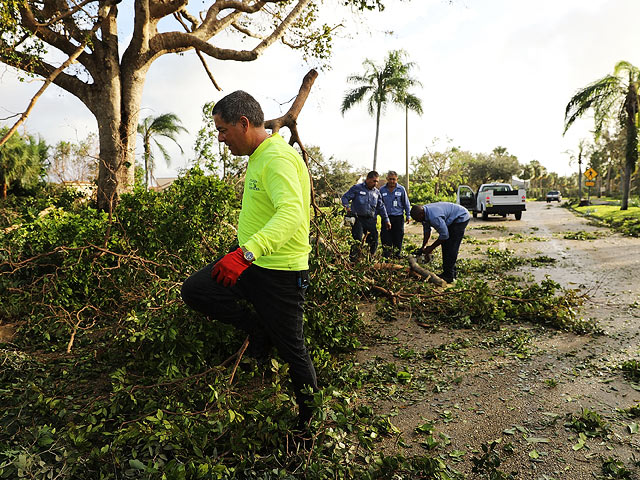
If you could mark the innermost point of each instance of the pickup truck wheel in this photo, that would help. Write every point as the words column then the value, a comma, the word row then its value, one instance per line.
column 485, row 215
column 475, row 214
column 518, row 215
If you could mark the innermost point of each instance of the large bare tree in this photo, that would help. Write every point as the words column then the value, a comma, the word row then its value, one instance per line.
column 108, row 76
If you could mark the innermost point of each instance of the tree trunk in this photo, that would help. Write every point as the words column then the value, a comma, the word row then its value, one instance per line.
column 626, row 183
column 117, row 112
column 631, row 148
column 375, row 148
column 406, row 143
column 117, row 161
column 5, row 186
column 147, row 153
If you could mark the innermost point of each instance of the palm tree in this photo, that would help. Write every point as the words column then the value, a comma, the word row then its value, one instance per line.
column 613, row 95
column 166, row 125
column 21, row 160
column 380, row 85
column 410, row 102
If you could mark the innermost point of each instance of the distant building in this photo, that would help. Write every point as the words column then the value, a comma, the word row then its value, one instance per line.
column 162, row 183
column 87, row 189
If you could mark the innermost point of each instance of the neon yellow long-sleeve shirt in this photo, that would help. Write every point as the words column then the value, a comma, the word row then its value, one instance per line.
column 274, row 220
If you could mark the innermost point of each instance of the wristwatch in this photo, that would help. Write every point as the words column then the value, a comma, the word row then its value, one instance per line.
column 248, row 256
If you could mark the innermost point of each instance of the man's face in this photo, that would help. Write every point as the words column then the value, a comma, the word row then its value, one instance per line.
column 232, row 135
column 392, row 181
column 371, row 182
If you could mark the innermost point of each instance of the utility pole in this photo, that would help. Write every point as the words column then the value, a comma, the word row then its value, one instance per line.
column 580, row 173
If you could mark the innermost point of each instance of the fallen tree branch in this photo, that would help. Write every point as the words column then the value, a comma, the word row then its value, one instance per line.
column 426, row 274
column 388, row 293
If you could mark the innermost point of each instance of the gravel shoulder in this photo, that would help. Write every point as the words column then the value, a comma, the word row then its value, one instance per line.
column 477, row 394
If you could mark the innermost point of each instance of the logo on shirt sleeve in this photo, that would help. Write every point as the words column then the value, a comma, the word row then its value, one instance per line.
column 252, row 184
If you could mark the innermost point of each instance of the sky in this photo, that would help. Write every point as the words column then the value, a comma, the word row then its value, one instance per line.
column 493, row 73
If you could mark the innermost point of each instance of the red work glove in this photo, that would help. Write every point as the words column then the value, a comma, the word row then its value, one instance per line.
column 229, row 268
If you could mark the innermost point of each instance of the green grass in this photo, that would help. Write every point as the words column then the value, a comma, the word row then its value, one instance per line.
column 625, row 221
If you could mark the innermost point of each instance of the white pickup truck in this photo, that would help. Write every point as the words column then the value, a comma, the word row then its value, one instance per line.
column 493, row 198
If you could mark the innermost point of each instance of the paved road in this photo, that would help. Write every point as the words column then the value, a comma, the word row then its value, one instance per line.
column 495, row 393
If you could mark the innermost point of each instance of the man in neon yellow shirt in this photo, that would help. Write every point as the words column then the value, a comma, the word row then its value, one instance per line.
column 270, row 268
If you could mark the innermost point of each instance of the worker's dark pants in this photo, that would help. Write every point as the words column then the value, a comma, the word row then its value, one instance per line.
column 364, row 225
column 277, row 297
column 392, row 239
column 450, row 249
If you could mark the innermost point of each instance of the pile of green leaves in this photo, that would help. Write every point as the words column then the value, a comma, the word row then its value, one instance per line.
column 112, row 376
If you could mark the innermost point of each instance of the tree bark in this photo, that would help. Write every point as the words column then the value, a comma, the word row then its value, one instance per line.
column 117, row 115
column 375, row 148
column 631, row 149
column 406, row 143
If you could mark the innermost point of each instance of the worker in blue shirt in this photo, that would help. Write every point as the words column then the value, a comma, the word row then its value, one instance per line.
column 450, row 221
column 396, row 201
column 365, row 202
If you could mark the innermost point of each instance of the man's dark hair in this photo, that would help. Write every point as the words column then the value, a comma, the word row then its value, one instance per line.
column 416, row 212
column 392, row 173
column 239, row 104
column 372, row 174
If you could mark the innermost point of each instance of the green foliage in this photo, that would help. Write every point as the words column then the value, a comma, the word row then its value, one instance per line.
column 331, row 178
column 615, row 470
column 631, row 412
column 74, row 161
column 213, row 155
column 588, row 422
column 624, row 221
column 581, row 235
column 631, row 369
column 422, row 193
column 22, row 160
column 488, row 462
column 498, row 166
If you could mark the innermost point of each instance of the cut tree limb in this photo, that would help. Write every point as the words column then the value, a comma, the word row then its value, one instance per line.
column 426, row 274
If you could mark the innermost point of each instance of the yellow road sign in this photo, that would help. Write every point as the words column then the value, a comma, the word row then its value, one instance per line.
column 590, row 173
column 590, row 183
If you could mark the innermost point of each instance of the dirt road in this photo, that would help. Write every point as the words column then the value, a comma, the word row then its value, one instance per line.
column 525, row 400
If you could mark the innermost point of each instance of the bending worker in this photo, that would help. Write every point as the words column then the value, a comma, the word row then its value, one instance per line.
column 269, row 270
column 366, row 204
column 396, row 201
column 449, row 220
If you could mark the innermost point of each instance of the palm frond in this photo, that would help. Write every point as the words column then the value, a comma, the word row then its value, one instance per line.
column 599, row 96
column 353, row 97
column 413, row 103
column 628, row 69
column 164, row 152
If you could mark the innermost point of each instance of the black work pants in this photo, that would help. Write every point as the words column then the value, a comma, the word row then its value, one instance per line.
column 450, row 249
column 362, row 226
column 277, row 297
column 392, row 239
